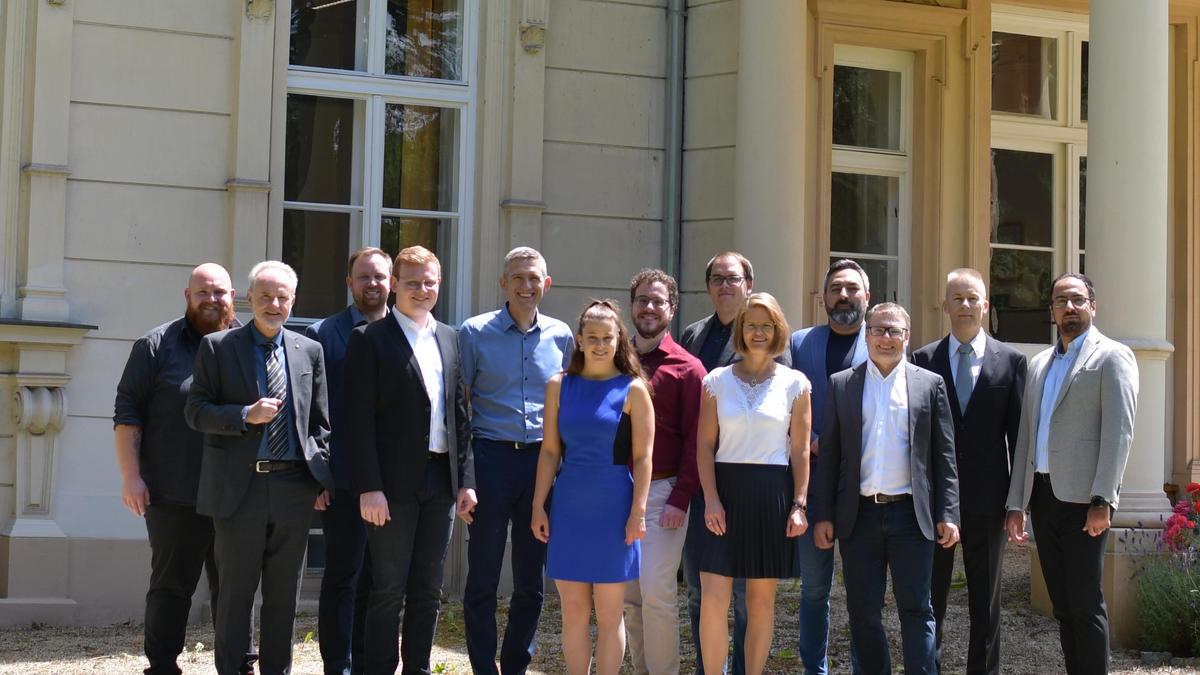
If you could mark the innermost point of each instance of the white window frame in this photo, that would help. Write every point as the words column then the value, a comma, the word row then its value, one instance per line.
column 372, row 92
column 883, row 162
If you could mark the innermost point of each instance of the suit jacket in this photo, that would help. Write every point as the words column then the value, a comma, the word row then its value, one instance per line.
column 931, row 451
column 387, row 411
column 1091, row 428
column 333, row 333
column 985, row 435
column 223, row 383
column 808, row 348
column 693, row 337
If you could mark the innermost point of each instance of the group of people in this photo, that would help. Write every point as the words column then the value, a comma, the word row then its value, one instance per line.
column 607, row 461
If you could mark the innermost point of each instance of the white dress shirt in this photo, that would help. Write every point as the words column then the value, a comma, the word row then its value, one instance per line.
column 884, row 467
column 424, row 344
column 977, row 345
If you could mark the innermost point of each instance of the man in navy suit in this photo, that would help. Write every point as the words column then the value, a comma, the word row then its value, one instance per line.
column 819, row 352
column 985, row 379
column 347, row 578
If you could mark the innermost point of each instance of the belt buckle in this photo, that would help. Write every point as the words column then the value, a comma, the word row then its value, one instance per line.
column 517, row 445
column 875, row 498
column 258, row 466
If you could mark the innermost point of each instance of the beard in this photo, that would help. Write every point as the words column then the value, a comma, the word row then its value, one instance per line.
column 846, row 315
column 204, row 322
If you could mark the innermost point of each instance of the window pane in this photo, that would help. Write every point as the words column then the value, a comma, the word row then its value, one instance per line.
column 424, row 39
column 396, row 233
column 864, row 214
column 866, row 107
column 319, row 155
column 1083, row 71
column 316, row 244
column 1082, row 202
column 1021, row 295
column 419, row 158
column 329, row 34
column 1022, row 198
column 1023, row 74
column 883, row 275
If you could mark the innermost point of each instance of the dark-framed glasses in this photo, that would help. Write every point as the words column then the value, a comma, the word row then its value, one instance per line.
column 1076, row 301
column 895, row 332
column 717, row 280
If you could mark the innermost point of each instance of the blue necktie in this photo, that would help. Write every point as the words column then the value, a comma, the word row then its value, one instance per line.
column 963, row 382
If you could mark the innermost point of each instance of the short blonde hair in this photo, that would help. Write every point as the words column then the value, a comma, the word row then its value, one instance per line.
column 417, row 255
column 782, row 334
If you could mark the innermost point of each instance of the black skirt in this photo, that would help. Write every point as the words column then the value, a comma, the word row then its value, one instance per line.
column 757, row 500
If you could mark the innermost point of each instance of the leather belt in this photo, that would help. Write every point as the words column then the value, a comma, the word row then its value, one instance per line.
column 273, row 465
column 880, row 498
column 515, row 445
column 430, row 456
column 662, row 475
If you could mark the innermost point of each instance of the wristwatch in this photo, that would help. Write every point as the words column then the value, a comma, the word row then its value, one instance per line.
column 1097, row 500
column 800, row 505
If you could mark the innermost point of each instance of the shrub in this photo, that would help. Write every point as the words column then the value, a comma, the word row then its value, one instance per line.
column 1168, row 584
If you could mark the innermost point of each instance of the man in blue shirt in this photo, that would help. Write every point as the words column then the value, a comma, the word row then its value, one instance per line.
column 507, row 357
column 347, row 578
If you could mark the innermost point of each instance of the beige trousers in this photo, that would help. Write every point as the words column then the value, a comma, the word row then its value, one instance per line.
column 651, row 601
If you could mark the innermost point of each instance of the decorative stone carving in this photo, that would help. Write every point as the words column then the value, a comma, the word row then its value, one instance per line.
column 533, row 26
column 39, row 409
column 259, row 9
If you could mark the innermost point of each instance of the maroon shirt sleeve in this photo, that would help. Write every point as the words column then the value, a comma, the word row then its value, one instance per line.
column 687, row 477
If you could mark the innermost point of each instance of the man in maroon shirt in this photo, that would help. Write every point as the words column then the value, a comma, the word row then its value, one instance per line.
column 651, row 610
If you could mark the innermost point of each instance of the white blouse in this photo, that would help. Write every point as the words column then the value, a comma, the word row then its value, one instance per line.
column 755, row 420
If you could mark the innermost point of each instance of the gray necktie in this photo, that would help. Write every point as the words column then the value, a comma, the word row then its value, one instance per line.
column 963, row 382
column 277, row 431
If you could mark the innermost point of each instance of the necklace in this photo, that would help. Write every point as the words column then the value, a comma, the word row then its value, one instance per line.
column 755, row 379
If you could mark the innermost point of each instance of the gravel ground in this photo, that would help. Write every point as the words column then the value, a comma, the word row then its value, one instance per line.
column 1030, row 641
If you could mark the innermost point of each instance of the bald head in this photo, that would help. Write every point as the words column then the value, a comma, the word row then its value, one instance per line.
column 209, row 296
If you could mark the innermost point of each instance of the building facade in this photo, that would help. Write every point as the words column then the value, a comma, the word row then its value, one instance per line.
column 139, row 138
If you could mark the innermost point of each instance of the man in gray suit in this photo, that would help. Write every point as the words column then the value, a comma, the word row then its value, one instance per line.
column 1076, row 429
column 887, row 488
column 258, row 395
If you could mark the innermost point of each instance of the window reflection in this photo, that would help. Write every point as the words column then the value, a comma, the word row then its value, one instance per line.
column 319, row 151
column 1024, row 70
column 316, row 245
column 328, row 34
column 866, row 108
column 420, row 147
column 424, row 39
column 1022, row 198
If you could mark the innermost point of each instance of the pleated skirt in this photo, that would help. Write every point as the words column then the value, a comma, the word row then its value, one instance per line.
column 757, row 500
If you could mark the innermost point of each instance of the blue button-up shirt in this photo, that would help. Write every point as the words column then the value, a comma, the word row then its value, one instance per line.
column 507, row 371
column 1060, row 365
column 260, row 371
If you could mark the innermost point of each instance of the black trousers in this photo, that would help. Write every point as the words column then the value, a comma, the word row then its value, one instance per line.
column 264, row 539
column 983, row 539
column 345, row 585
column 181, row 544
column 1073, row 565
column 407, row 555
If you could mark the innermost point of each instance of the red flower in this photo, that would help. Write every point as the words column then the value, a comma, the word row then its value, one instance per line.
column 1193, row 488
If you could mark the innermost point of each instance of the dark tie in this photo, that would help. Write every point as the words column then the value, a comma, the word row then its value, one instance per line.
column 963, row 382
column 277, row 428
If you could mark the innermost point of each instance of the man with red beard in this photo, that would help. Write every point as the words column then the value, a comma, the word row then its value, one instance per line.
column 159, row 460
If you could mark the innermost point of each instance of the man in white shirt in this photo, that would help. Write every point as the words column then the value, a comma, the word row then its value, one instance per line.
column 894, row 496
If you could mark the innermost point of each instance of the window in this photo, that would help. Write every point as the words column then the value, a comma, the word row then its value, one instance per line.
column 1038, row 166
column 379, row 113
column 872, row 165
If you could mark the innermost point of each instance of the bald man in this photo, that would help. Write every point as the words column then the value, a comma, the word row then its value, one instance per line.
column 159, row 460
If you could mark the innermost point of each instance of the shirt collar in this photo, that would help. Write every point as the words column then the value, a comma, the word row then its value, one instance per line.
column 508, row 321
column 260, row 339
column 410, row 325
column 1074, row 347
column 977, row 344
column 895, row 377
column 356, row 317
column 665, row 346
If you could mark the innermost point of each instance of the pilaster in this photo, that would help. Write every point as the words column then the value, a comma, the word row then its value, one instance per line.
column 523, row 205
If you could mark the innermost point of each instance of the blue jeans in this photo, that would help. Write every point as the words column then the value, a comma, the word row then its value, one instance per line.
column 887, row 536
column 691, row 572
column 816, row 581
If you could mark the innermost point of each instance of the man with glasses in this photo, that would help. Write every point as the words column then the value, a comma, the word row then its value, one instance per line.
column 819, row 352
column 729, row 278
column 1076, row 430
column 675, row 376
column 893, row 494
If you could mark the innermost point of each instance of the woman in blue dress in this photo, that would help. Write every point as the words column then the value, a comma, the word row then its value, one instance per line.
column 598, row 422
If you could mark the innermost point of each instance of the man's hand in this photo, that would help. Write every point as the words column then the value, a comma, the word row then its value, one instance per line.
column 672, row 517
column 823, row 534
column 1099, row 519
column 947, row 534
column 135, row 495
column 374, row 508
column 323, row 501
column 465, row 505
column 540, row 524
column 264, row 410
column 1015, row 524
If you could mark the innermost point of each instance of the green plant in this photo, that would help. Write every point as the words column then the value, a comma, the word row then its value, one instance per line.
column 1168, row 584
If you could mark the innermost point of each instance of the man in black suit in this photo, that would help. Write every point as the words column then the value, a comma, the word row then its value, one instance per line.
column 347, row 578
column 985, row 379
column 407, row 423
column 887, row 488
column 258, row 395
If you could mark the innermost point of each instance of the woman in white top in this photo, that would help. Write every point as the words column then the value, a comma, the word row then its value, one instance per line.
column 752, row 453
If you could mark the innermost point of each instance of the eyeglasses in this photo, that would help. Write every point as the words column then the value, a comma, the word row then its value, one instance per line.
column 894, row 332
column 656, row 303
column 1078, row 302
column 717, row 281
column 418, row 284
column 766, row 328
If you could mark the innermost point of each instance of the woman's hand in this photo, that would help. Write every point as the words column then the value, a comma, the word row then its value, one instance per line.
column 714, row 517
column 635, row 528
column 797, row 523
column 540, row 525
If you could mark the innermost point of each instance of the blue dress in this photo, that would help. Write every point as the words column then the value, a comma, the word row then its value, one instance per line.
column 594, row 489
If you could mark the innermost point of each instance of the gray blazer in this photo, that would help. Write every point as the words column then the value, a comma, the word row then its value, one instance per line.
column 834, row 493
column 1091, row 428
column 223, row 383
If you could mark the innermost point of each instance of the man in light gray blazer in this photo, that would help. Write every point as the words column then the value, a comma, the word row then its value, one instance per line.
column 1076, row 429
